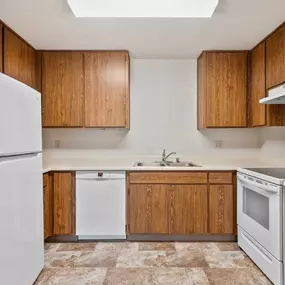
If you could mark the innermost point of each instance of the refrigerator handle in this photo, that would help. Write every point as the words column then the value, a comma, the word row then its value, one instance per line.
column 14, row 157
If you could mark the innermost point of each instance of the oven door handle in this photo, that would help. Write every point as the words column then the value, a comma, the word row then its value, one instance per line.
column 261, row 186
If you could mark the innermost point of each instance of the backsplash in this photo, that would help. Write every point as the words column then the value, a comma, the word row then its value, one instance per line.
column 163, row 115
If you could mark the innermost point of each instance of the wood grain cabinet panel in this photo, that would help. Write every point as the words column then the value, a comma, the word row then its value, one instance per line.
column 106, row 89
column 222, row 92
column 148, row 209
column 168, row 177
column 257, row 86
column 226, row 89
column 62, row 89
column 275, row 58
column 19, row 59
column 188, row 209
column 261, row 115
column 48, row 206
column 221, row 177
column 64, row 203
column 221, row 209
column 202, row 91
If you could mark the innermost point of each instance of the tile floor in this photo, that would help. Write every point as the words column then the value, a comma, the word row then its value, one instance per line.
column 145, row 263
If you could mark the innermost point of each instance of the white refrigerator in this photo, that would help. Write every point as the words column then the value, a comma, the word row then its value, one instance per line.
column 21, row 186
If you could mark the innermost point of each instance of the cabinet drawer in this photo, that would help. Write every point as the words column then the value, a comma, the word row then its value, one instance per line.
column 45, row 180
column 221, row 177
column 168, row 177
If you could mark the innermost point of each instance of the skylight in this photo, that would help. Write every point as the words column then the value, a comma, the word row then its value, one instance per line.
column 143, row 8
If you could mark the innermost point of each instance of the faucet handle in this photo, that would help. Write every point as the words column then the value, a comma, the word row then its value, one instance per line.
column 177, row 160
column 164, row 152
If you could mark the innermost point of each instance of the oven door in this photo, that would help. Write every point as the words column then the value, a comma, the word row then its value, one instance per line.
column 259, row 212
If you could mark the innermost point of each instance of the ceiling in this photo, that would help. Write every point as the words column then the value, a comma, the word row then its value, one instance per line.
column 236, row 24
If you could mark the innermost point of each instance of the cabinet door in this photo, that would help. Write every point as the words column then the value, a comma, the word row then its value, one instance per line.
column 64, row 203
column 148, row 209
column 19, row 59
column 257, row 86
column 227, row 89
column 221, row 205
column 48, row 207
column 62, row 89
column 106, row 89
column 188, row 209
column 275, row 58
column 202, row 91
column 1, row 47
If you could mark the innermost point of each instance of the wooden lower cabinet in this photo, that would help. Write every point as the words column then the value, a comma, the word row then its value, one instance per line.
column 148, row 209
column 166, row 203
column 188, row 209
column 64, row 203
column 48, row 206
column 167, row 209
column 221, row 209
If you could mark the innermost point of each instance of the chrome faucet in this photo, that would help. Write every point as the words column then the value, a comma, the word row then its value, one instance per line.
column 165, row 157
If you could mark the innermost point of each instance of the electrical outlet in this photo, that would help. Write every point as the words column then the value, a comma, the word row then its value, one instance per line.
column 57, row 143
column 219, row 144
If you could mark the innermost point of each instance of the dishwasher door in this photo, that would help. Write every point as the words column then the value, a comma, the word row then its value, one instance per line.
column 100, row 205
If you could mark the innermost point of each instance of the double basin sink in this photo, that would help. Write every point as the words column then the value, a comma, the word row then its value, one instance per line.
column 166, row 164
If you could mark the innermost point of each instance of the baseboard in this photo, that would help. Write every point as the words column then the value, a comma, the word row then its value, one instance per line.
column 149, row 237
column 182, row 238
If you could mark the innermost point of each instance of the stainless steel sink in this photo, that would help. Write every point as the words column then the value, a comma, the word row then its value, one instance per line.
column 167, row 164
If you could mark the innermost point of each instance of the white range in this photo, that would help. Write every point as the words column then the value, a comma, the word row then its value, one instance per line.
column 261, row 218
column 21, row 186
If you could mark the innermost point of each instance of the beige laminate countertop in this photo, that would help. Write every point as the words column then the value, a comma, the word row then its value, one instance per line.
column 128, row 165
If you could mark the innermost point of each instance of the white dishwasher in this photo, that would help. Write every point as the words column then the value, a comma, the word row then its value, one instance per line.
column 100, row 205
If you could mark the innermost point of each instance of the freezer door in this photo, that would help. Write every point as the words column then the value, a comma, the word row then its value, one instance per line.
column 21, row 220
column 20, row 117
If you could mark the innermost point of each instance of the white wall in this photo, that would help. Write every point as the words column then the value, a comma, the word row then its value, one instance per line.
column 163, row 115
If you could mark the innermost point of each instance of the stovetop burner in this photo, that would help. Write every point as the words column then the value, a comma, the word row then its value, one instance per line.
column 273, row 172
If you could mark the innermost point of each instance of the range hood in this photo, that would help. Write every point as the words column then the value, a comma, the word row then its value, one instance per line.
column 275, row 96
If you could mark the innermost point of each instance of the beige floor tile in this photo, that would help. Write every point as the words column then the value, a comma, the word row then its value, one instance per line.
column 61, row 259
column 72, row 276
column 145, row 259
column 50, row 247
column 117, row 246
column 148, row 263
column 156, row 246
column 228, row 246
column 156, row 276
column 77, row 247
column 196, row 246
column 228, row 259
column 236, row 276
column 104, row 259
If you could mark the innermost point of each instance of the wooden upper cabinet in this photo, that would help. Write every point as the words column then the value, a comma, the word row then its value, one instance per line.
column 62, row 89
column 275, row 58
column 64, row 203
column 221, row 209
column 188, row 209
column 202, row 91
column 19, row 59
column 106, row 89
column 148, row 209
column 257, row 86
column 1, row 47
column 261, row 114
column 222, row 90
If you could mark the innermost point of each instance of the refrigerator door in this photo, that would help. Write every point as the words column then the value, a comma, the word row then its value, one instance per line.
column 20, row 118
column 21, row 219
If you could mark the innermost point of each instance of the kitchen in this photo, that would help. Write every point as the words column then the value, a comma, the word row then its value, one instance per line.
column 111, row 203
